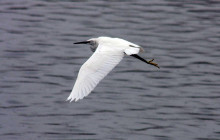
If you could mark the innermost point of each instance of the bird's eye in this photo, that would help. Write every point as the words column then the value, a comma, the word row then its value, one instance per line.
column 92, row 42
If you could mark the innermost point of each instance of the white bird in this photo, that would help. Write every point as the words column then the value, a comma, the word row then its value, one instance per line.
column 108, row 52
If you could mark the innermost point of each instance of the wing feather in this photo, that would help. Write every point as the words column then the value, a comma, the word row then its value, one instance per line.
column 92, row 72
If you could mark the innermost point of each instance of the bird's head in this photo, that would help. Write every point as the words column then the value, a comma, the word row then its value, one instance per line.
column 93, row 42
column 96, row 41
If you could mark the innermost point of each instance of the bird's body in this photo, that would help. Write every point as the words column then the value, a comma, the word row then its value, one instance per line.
column 108, row 53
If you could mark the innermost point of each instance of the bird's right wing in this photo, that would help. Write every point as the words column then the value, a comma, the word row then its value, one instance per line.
column 92, row 72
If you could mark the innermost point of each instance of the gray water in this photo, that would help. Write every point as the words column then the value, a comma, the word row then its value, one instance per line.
column 39, row 65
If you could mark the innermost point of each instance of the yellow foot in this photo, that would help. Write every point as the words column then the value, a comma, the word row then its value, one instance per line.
column 152, row 63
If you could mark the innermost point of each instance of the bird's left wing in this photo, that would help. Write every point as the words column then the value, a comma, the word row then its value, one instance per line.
column 93, row 71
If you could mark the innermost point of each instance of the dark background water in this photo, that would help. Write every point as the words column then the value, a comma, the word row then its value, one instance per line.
column 39, row 65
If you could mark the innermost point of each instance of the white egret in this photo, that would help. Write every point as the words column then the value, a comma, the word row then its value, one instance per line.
column 108, row 52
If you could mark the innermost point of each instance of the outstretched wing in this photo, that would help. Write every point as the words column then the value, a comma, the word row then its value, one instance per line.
column 92, row 72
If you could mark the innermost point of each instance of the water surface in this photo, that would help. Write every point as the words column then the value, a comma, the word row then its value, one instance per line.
column 39, row 65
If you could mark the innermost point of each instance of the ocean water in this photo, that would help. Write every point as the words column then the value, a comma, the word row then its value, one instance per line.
column 39, row 64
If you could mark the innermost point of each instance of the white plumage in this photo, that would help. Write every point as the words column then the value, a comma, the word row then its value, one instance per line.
column 108, row 53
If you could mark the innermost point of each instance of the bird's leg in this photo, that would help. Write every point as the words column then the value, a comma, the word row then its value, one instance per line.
column 148, row 62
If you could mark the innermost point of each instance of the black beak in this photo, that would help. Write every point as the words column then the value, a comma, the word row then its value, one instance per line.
column 82, row 42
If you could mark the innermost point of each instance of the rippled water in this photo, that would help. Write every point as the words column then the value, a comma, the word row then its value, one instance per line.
column 39, row 65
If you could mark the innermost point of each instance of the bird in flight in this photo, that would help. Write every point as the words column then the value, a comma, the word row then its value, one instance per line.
column 108, row 52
